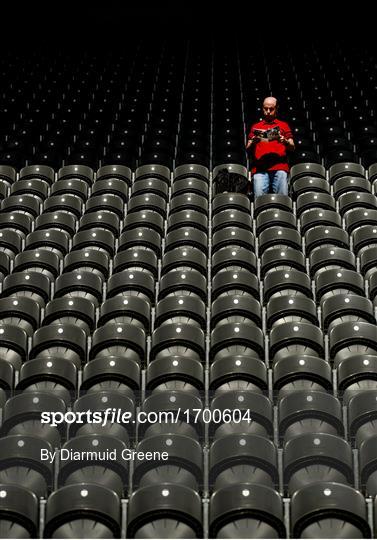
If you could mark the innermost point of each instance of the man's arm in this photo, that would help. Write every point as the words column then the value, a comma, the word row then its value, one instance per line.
column 248, row 144
column 289, row 143
column 252, row 141
column 287, row 139
column 252, row 138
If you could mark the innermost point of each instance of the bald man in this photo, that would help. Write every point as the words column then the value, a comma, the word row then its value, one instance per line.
column 270, row 167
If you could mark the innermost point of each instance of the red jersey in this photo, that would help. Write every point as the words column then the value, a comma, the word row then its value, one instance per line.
column 271, row 155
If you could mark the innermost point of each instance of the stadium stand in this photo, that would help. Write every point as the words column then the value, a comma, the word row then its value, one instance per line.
column 130, row 282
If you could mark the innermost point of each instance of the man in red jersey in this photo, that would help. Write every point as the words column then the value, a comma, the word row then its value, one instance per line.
column 269, row 152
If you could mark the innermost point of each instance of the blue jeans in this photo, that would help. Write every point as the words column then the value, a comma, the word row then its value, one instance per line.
column 277, row 179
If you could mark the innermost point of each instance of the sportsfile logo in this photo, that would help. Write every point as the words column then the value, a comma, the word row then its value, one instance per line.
column 108, row 416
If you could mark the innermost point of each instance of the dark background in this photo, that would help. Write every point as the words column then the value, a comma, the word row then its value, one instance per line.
column 109, row 23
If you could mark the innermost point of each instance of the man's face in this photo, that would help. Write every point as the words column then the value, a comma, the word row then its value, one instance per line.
column 269, row 110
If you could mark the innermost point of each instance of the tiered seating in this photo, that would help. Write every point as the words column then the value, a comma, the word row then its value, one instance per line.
column 243, row 330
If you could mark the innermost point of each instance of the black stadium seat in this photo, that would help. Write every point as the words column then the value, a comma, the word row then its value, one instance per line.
column 319, row 510
column 78, row 509
column 19, row 512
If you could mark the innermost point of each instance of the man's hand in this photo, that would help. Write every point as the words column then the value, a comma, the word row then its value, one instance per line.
column 254, row 139
column 287, row 142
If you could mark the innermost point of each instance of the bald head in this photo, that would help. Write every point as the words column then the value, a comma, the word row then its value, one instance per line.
column 269, row 108
column 268, row 101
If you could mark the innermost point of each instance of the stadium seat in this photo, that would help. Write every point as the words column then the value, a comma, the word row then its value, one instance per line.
column 19, row 512
column 309, row 411
column 79, row 508
column 340, row 506
column 246, row 510
column 309, row 459
column 162, row 509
